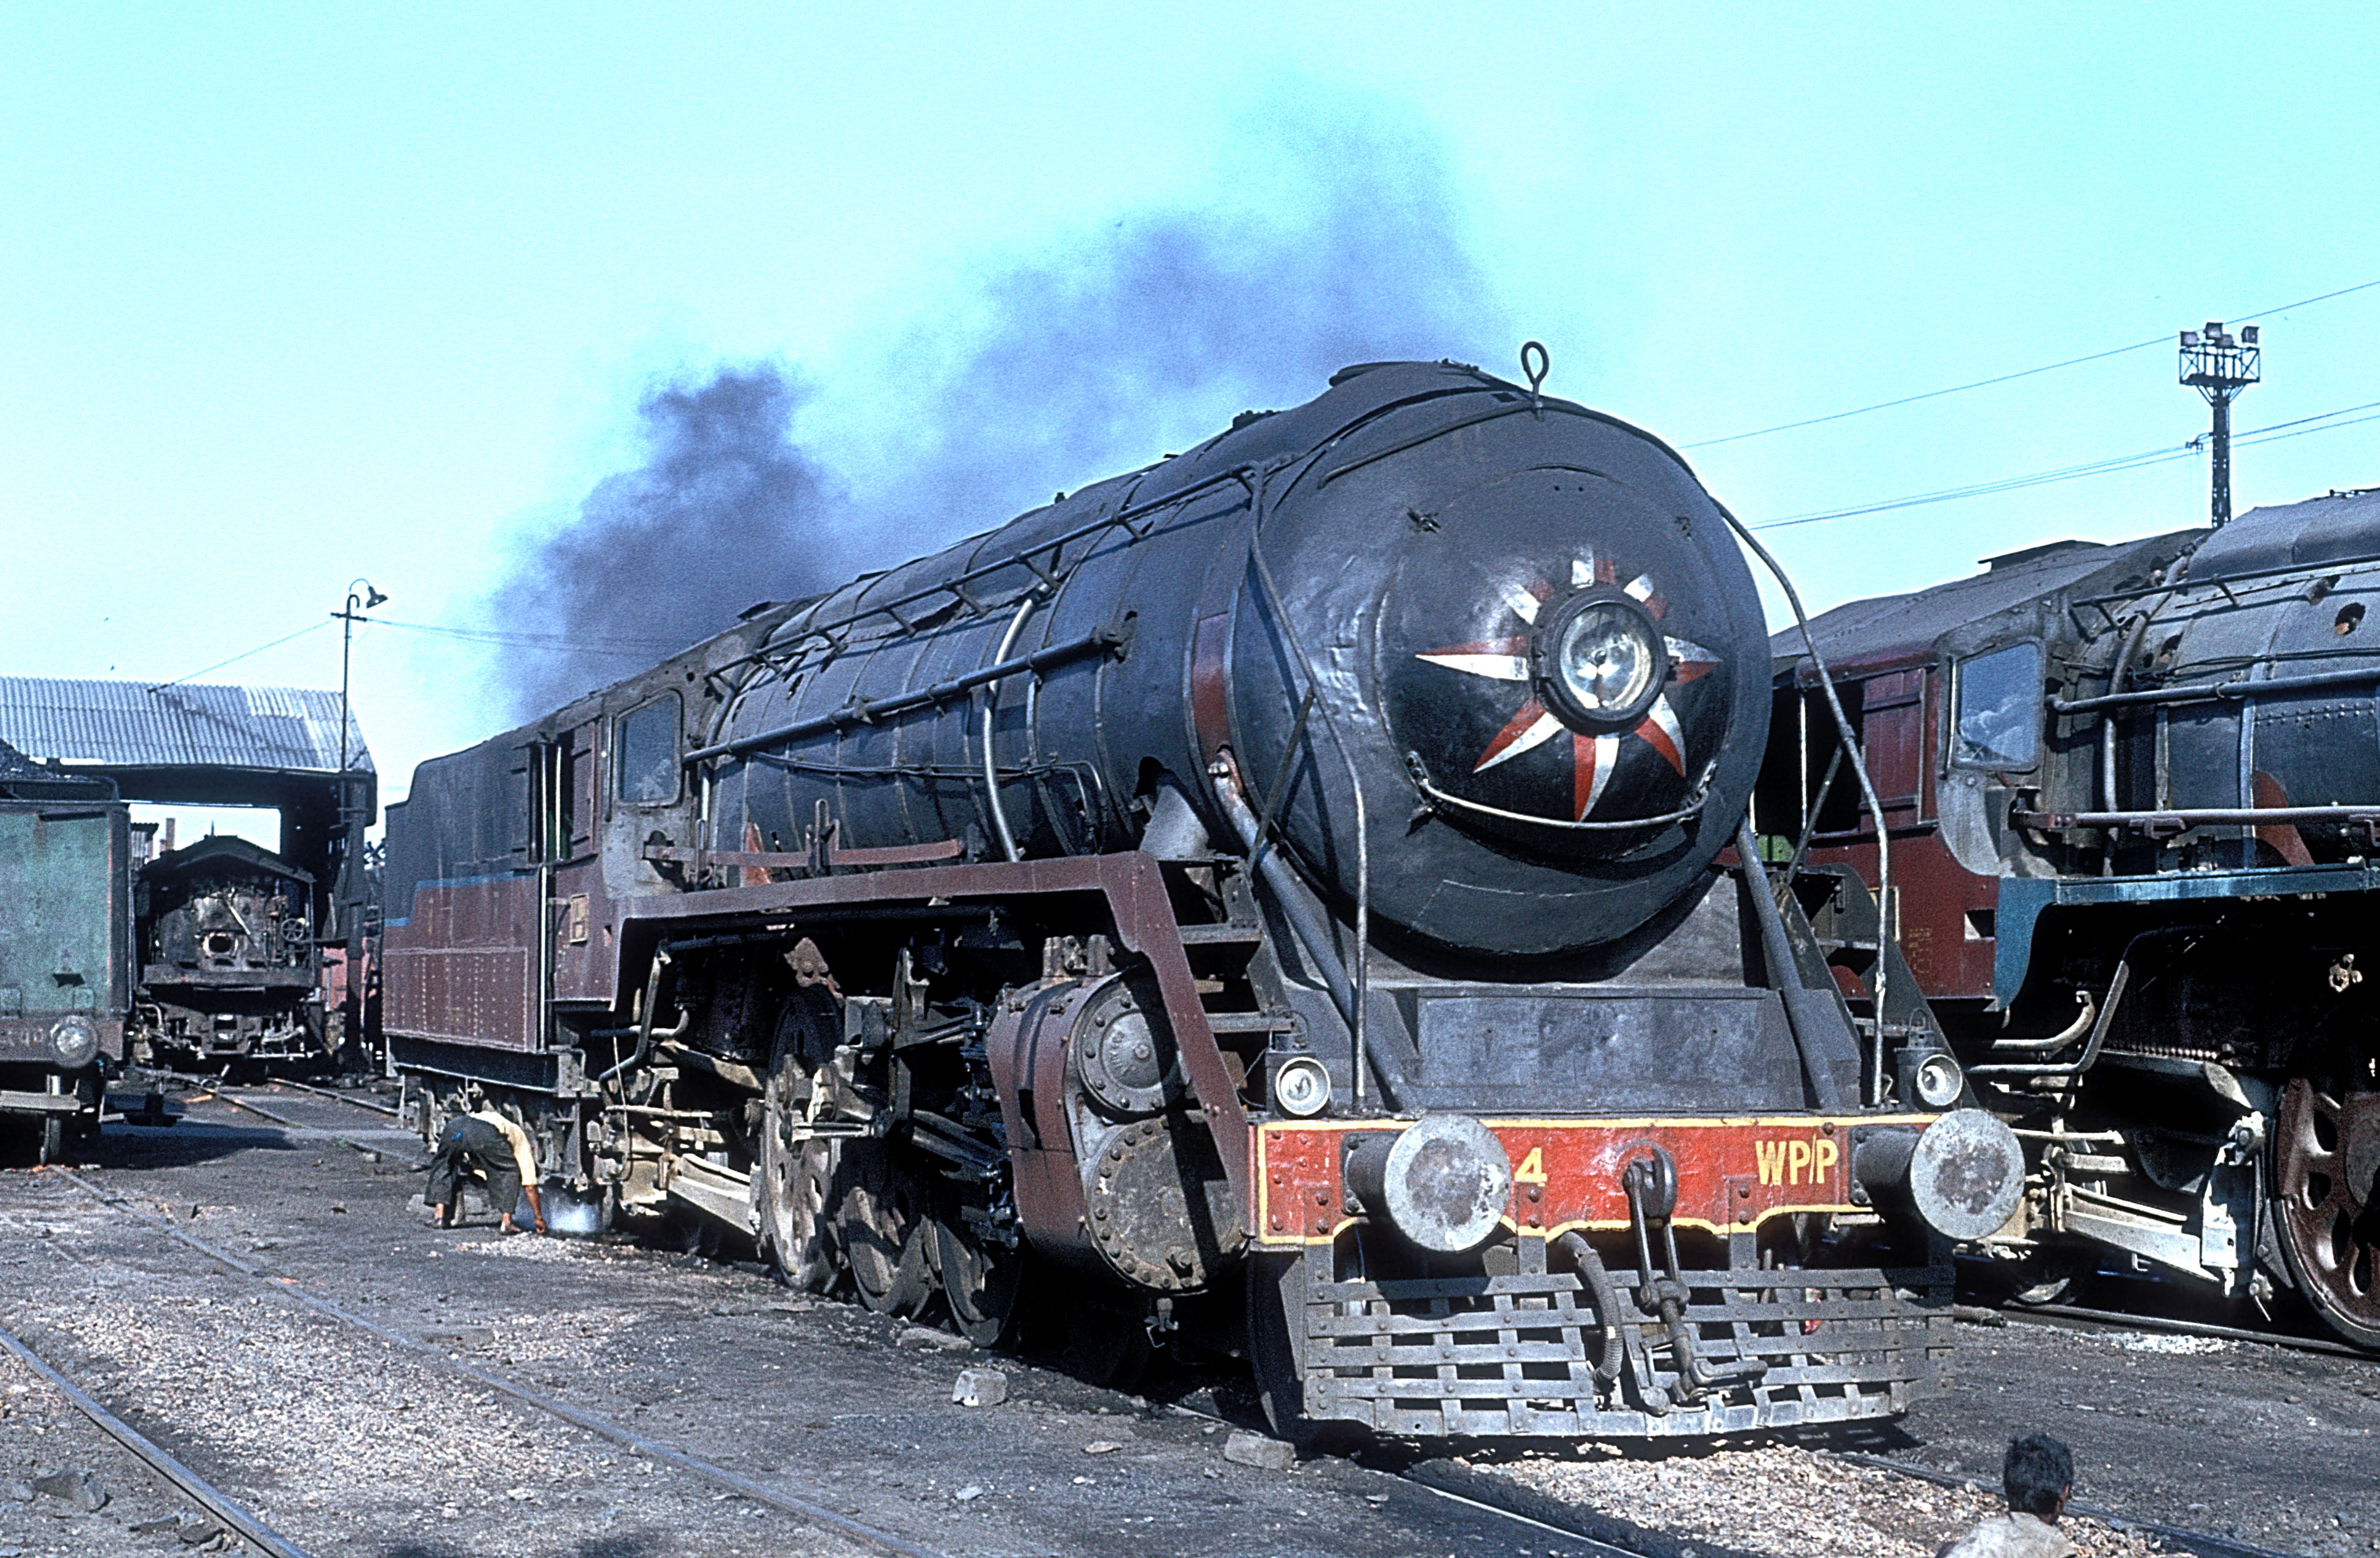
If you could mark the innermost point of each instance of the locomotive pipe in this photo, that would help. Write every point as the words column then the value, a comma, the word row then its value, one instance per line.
column 1107, row 640
column 1859, row 771
column 1605, row 1294
column 2200, row 692
column 1358, row 1023
column 2178, row 821
column 1275, row 873
column 1803, row 1012
column 990, row 702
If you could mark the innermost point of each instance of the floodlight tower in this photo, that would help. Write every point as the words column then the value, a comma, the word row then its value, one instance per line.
column 2218, row 368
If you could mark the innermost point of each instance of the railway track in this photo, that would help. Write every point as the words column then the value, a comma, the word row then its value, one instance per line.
column 806, row 1510
column 1513, row 1506
column 372, row 1151
column 233, row 1514
column 1579, row 1530
column 2082, row 1319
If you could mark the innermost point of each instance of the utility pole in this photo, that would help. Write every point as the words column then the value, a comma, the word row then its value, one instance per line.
column 349, row 901
column 2219, row 368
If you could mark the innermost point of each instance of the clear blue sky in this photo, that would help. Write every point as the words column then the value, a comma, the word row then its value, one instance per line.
column 292, row 294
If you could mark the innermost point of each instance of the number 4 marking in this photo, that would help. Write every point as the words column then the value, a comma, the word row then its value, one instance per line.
column 1533, row 1168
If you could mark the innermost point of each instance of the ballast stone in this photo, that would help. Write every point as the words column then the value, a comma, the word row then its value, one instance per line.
column 980, row 1387
column 75, row 1487
column 1255, row 1449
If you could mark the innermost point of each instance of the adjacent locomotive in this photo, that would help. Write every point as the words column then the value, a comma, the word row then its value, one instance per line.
column 65, row 935
column 2137, row 794
column 230, row 970
column 1270, row 901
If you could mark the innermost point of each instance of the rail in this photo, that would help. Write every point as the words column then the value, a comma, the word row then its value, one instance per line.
column 209, row 1497
column 785, row 1502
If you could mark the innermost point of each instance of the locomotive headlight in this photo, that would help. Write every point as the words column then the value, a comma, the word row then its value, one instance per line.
column 74, row 1041
column 1601, row 661
column 1301, row 1087
column 1939, row 1081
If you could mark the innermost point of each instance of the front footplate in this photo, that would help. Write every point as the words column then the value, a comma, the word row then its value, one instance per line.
column 1517, row 1354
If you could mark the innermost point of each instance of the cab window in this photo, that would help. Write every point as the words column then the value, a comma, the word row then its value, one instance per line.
column 646, row 739
column 1998, row 708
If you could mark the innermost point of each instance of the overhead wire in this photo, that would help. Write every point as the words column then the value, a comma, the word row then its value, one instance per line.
column 538, row 640
column 2020, row 373
column 632, row 648
column 2270, row 433
column 193, row 676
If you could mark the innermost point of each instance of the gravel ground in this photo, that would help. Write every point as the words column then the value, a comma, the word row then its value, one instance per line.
column 41, row 1432
column 356, row 1447
column 1783, row 1499
column 351, row 1446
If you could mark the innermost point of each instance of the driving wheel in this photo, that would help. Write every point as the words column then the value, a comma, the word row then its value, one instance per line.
column 980, row 1278
column 795, row 1175
column 883, row 1233
column 2325, row 1156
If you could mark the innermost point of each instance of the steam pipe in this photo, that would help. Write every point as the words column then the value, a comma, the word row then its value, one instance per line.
column 1859, row 771
column 1803, row 1012
column 1253, row 481
column 1276, row 875
column 646, row 1033
column 2090, row 1055
column 991, row 700
column 1106, row 640
column 2202, row 692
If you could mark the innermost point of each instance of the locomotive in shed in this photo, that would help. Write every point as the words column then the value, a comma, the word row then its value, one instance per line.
column 1270, row 903
column 230, row 970
column 66, row 929
column 2135, row 791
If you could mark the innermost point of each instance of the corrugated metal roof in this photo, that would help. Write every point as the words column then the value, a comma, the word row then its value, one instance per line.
column 129, row 724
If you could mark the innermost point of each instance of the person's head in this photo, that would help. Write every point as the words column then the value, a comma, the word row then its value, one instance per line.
column 2038, row 1473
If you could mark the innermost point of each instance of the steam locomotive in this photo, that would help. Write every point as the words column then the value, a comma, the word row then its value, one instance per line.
column 2136, row 795
column 230, row 970
column 1272, row 902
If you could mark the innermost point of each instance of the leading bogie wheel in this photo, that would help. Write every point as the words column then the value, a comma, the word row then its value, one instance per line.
column 54, row 1139
column 1277, row 1350
column 2325, row 1192
column 980, row 1277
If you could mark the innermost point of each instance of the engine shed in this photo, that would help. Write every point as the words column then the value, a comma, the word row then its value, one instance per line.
column 288, row 749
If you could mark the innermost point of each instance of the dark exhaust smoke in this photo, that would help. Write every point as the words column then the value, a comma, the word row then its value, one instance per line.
column 726, row 511
column 1047, row 374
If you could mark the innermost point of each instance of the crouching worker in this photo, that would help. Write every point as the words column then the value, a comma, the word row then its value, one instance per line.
column 487, row 1146
column 2039, row 1476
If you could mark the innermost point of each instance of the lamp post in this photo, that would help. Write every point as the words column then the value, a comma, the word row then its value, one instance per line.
column 348, row 923
column 2218, row 367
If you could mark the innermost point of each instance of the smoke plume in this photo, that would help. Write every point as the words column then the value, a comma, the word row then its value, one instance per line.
column 725, row 511
column 1105, row 356
column 1051, row 371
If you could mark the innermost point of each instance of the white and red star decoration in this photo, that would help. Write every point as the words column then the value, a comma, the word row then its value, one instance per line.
column 1593, row 758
